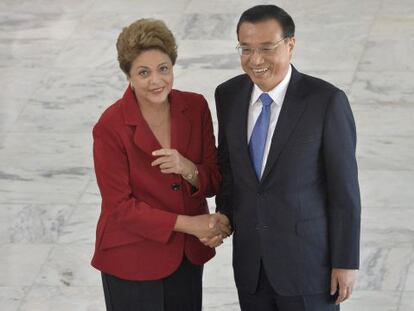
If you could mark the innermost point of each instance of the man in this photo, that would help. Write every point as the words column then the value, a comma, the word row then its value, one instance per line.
column 290, row 183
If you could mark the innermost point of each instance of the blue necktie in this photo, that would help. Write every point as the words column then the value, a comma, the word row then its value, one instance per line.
column 259, row 134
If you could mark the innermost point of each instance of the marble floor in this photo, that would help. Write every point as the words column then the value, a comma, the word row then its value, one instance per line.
column 58, row 72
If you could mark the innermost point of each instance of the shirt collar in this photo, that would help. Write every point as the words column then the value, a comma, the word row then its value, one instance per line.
column 277, row 93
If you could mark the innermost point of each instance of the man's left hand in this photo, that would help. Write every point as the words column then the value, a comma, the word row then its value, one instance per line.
column 342, row 281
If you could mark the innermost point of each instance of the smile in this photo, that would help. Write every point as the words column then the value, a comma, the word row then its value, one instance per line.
column 157, row 90
column 260, row 70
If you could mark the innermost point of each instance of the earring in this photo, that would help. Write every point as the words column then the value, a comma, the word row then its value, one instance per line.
column 132, row 87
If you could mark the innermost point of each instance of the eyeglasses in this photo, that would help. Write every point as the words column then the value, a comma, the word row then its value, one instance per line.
column 262, row 50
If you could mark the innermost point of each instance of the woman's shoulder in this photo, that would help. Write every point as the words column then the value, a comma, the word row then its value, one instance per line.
column 110, row 123
column 187, row 94
column 111, row 115
column 190, row 99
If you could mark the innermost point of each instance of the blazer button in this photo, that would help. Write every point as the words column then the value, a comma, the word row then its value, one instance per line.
column 175, row 187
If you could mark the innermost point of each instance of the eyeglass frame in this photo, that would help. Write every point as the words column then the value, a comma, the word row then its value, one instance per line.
column 261, row 49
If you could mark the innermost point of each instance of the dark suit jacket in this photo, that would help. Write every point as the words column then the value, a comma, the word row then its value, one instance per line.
column 303, row 217
column 135, row 238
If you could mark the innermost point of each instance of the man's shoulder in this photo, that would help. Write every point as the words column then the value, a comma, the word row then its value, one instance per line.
column 315, row 84
column 320, row 92
column 235, row 82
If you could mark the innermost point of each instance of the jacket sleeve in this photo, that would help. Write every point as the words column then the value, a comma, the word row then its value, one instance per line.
column 118, row 203
column 208, row 172
column 223, row 198
column 344, row 207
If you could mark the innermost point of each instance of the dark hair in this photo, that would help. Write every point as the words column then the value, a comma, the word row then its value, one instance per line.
column 261, row 13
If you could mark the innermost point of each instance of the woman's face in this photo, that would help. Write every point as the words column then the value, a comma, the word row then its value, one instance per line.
column 151, row 76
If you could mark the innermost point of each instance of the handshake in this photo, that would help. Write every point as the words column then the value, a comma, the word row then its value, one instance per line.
column 217, row 230
column 210, row 229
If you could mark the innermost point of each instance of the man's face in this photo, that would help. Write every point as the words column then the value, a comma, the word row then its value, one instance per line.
column 268, row 67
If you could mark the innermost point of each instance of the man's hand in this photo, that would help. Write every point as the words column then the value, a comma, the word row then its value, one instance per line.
column 342, row 281
column 222, row 223
column 200, row 227
column 204, row 227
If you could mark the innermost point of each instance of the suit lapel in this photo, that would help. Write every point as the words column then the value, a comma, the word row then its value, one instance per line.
column 238, row 125
column 292, row 109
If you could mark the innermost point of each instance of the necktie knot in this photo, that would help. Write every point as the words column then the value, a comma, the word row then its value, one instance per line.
column 265, row 99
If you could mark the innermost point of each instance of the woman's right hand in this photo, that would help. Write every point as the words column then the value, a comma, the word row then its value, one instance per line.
column 221, row 221
column 201, row 226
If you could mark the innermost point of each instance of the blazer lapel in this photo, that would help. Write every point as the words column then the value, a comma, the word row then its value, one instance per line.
column 292, row 109
column 238, row 128
column 180, row 123
column 144, row 138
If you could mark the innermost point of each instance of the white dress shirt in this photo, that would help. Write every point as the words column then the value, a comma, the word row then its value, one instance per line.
column 255, row 108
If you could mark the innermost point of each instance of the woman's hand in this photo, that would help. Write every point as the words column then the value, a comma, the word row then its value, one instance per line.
column 200, row 226
column 170, row 161
column 221, row 222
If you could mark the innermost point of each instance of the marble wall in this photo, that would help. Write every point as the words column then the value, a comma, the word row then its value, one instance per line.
column 58, row 72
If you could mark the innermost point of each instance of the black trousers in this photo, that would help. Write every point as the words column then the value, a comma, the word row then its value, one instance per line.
column 181, row 291
column 266, row 299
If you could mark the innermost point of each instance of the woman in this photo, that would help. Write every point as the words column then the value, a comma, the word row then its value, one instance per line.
column 155, row 163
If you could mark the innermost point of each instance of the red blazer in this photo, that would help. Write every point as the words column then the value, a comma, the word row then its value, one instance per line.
column 134, row 237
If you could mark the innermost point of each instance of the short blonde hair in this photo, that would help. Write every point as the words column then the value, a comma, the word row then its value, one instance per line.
column 142, row 35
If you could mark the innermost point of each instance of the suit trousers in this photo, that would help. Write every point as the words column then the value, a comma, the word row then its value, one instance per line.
column 266, row 299
column 181, row 291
